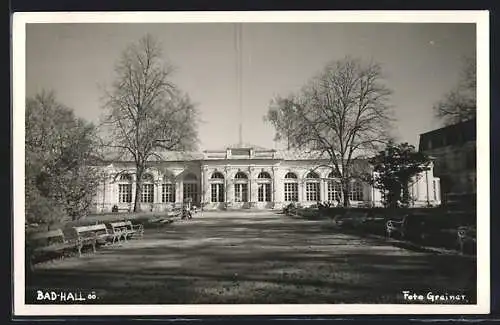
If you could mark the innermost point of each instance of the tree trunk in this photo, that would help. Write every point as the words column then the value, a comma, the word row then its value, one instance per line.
column 345, row 194
column 138, row 188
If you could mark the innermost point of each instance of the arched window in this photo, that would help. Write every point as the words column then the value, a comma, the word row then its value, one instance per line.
column 190, row 188
column 217, row 175
column 125, row 188
column 241, row 187
column 240, row 175
column 217, row 193
column 125, row 178
column 264, row 187
column 312, row 175
column 264, row 175
column 312, row 187
column 356, row 191
column 147, row 193
column 334, row 188
column 291, row 187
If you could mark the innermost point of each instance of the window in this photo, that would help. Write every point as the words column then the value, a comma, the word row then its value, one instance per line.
column 312, row 191
column 241, row 192
column 125, row 190
column 264, row 192
column 125, row 193
column 312, row 175
column 217, row 192
column 334, row 188
column 125, row 178
column 356, row 192
column 190, row 188
column 217, row 187
column 291, row 192
column 291, row 187
column 240, row 175
column 217, row 175
column 241, row 187
column 264, row 187
column 147, row 193
column 312, row 187
column 190, row 192
column 167, row 193
column 334, row 191
column 264, row 175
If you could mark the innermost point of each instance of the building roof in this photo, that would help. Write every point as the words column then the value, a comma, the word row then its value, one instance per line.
column 258, row 153
column 449, row 135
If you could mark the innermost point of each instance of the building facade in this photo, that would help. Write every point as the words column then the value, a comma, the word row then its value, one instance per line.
column 241, row 177
column 454, row 151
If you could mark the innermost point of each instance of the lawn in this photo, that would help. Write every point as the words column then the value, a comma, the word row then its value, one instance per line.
column 264, row 258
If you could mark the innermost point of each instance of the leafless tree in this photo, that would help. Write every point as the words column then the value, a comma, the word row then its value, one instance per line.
column 145, row 111
column 459, row 104
column 341, row 112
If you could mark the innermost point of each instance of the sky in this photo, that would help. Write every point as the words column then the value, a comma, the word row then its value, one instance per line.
column 421, row 63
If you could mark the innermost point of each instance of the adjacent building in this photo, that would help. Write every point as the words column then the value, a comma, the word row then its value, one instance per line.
column 454, row 150
column 241, row 177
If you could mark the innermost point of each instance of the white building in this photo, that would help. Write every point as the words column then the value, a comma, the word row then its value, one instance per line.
column 240, row 177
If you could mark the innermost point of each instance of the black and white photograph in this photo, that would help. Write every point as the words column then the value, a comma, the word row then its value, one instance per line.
column 251, row 163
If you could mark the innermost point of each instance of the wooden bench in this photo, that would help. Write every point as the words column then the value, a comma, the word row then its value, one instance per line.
column 396, row 227
column 126, row 230
column 466, row 235
column 49, row 242
column 91, row 235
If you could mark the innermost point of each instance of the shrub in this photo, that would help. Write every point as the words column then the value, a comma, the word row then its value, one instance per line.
column 42, row 210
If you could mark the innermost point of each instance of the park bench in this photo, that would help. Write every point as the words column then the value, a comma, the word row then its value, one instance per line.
column 49, row 243
column 424, row 228
column 466, row 235
column 396, row 227
column 117, row 209
column 126, row 230
column 91, row 235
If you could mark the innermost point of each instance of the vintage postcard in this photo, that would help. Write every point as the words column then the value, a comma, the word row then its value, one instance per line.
column 251, row 163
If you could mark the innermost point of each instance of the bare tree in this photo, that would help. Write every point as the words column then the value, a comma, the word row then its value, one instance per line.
column 341, row 112
column 459, row 104
column 145, row 111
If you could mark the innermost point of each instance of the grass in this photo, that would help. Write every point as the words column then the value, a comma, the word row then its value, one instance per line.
column 440, row 225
